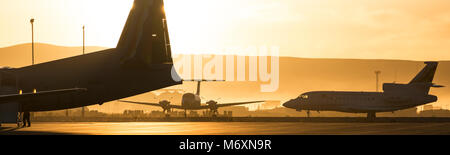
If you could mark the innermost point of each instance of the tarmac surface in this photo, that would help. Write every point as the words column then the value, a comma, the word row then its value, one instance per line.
column 228, row 128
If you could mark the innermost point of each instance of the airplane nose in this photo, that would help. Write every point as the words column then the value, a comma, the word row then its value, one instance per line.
column 290, row 104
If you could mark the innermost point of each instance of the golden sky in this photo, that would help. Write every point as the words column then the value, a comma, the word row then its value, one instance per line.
column 369, row 29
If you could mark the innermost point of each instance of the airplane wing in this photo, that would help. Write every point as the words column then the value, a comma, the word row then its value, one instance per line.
column 30, row 96
column 228, row 104
column 151, row 104
column 237, row 103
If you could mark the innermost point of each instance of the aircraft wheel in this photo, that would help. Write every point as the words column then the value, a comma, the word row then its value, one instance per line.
column 371, row 116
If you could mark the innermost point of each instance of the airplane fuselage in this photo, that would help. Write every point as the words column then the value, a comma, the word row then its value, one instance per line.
column 101, row 73
column 393, row 98
column 357, row 102
column 191, row 101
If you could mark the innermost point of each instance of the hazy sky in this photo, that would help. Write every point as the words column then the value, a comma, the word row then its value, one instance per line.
column 381, row 29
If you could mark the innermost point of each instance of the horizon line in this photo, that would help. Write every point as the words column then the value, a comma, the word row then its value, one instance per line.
column 280, row 56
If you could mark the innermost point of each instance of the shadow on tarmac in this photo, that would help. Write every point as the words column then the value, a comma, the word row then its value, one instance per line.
column 16, row 131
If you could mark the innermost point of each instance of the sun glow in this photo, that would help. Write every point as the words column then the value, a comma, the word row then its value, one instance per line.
column 313, row 29
column 60, row 22
column 188, row 23
column 105, row 20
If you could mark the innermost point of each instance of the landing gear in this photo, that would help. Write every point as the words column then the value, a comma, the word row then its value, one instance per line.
column 308, row 113
column 167, row 115
column 214, row 113
column 371, row 115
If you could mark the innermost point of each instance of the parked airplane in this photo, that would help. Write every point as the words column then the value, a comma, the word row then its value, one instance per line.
column 140, row 63
column 191, row 101
column 395, row 97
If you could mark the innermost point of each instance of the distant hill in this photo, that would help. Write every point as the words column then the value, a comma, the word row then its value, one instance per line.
column 297, row 75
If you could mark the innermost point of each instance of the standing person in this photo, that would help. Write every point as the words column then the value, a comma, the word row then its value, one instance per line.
column 26, row 118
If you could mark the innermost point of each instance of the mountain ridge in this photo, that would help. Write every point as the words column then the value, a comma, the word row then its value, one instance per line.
column 297, row 75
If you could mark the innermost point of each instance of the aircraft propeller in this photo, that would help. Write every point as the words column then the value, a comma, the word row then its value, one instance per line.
column 213, row 107
column 165, row 104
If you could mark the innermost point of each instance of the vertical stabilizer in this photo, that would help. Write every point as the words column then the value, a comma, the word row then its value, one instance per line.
column 420, row 85
column 198, row 88
column 427, row 73
column 145, row 38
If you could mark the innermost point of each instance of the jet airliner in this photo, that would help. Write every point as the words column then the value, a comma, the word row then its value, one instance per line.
column 395, row 97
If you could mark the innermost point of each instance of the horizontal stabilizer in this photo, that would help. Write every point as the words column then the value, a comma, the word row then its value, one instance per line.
column 202, row 80
column 437, row 86
column 145, row 37
column 151, row 104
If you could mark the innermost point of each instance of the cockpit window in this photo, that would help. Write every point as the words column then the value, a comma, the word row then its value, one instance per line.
column 304, row 96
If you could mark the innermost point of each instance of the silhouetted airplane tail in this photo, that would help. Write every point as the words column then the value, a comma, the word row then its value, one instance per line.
column 424, row 80
column 427, row 73
column 145, row 38
column 198, row 88
column 421, row 84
